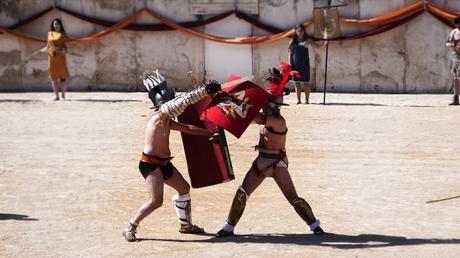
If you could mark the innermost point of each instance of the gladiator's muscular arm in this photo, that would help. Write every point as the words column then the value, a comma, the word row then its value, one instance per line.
column 189, row 129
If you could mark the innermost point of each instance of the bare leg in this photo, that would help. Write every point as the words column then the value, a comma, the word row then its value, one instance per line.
column 63, row 88
column 298, row 90
column 54, row 83
column 155, row 187
column 307, row 90
column 154, row 183
column 252, row 181
column 178, row 183
column 284, row 181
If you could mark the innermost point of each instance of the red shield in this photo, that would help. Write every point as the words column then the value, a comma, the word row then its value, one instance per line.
column 236, row 112
column 208, row 163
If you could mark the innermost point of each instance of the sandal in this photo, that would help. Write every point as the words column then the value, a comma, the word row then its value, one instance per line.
column 191, row 229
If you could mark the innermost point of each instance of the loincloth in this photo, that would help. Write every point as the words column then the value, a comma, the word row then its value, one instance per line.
column 150, row 163
column 268, row 160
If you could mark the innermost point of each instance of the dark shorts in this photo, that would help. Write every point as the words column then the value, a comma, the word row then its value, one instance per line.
column 146, row 168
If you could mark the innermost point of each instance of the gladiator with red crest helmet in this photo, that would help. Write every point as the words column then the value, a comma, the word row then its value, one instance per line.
column 276, row 81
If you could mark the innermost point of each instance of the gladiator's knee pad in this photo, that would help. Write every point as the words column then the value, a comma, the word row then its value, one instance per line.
column 182, row 204
column 238, row 205
column 304, row 210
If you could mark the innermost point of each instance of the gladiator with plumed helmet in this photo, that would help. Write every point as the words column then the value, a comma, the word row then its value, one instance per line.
column 272, row 159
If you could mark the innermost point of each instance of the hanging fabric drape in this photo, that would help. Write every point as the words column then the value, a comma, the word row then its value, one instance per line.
column 381, row 24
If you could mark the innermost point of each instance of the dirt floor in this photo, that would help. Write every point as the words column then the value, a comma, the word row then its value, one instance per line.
column 380, row 171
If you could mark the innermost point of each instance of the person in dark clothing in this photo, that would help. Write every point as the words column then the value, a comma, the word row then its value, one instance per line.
column 299, row 60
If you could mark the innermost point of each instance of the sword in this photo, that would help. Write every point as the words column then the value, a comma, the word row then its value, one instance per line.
column 241, row 80
column 223, row 96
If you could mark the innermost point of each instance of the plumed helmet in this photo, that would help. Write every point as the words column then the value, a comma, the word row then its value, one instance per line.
column 158, row 89
column 274, row 76
column 276, row 88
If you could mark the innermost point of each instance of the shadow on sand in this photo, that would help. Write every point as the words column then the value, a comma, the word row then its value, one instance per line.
column 11, row 216
column 328, row 239
column 23, row 101
column 18, row 100
column 106, row 100
column 377, row 105
column 352, row 104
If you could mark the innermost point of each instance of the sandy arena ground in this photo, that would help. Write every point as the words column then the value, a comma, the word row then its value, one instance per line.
column 369, row 165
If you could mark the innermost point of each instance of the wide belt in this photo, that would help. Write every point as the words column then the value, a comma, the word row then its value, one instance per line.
column 155, row 160
column 270, row 154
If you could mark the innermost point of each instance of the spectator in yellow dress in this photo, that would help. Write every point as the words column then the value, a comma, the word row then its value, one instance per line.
column 57, row 65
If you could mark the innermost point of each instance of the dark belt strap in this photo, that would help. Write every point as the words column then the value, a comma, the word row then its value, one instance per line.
column 280, row 156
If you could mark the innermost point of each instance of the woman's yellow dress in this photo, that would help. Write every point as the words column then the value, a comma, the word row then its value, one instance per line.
column 57, row 65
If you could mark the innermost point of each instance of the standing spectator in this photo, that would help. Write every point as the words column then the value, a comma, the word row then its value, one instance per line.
column 299, row 60
column 57, row 65
column 454, row 42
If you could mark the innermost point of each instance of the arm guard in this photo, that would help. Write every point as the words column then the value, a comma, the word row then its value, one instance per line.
column 176, row 106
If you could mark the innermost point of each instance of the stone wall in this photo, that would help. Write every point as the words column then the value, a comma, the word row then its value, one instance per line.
column 409, row 59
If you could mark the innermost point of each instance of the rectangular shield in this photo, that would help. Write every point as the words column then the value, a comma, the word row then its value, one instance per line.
column 208, row 163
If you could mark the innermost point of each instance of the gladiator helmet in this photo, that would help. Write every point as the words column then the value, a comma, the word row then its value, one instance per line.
column 158, row 89
column 275, row 87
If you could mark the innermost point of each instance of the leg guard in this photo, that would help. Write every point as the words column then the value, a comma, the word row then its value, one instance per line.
column 183, row 207
column 238, row 205
column 304, row 210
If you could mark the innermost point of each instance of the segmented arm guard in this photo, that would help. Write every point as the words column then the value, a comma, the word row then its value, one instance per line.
column 176, row 106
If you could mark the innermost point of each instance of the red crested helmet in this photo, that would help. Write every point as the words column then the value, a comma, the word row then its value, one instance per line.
column 276, row 80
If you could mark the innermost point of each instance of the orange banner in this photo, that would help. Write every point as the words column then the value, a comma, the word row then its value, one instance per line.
column 241, row 40
column 443, row 12
column 20, row 35
column 389, row 17
column 385, row 19
column 111, row 29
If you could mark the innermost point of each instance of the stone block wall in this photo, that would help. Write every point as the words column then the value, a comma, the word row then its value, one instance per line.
column 409, row 59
